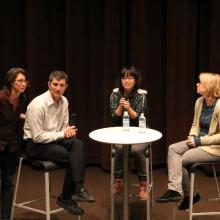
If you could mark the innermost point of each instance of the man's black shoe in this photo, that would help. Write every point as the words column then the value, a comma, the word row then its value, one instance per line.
column 169, row 196
column 70, row 206
column 185, row 203
column 83, row 196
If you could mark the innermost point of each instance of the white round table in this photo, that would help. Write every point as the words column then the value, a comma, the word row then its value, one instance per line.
column 116, row 135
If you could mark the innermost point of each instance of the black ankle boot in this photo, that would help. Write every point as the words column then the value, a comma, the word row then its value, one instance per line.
column 185, row 203
column 169, row 196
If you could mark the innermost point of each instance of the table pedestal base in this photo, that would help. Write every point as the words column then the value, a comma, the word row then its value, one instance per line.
column 137, row 209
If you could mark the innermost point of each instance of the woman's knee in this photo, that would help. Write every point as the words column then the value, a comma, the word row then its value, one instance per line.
column 138, row 150
column 172, row 148
column 179, row 147
column 118, row 147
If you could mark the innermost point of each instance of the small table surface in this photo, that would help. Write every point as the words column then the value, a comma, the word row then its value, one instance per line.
column 116, row 135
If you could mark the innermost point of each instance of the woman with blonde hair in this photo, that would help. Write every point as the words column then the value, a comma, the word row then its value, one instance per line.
column 202, row 144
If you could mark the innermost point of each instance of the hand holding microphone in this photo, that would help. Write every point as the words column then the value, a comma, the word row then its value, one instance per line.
column 71, row 130
column 124, row 103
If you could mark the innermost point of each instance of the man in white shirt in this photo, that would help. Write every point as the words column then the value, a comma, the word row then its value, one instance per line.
column 49, row 136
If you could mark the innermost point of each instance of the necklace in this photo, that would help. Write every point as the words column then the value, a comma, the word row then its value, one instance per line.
column 210, row 101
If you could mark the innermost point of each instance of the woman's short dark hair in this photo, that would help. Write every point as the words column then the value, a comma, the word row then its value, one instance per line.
column 129, row 71
column 12, row 74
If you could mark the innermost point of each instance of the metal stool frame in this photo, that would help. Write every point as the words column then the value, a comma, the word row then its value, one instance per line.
column 25, row 205
column 192, row 169
column 192, row 180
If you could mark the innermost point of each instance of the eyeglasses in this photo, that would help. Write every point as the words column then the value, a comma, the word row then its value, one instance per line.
column 21, row 81
column 128, row 78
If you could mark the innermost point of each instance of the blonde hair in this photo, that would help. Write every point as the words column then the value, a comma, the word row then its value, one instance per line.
column 211, row 81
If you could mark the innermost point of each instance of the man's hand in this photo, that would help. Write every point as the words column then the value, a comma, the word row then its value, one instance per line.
column 22, row 116
column 70, row 131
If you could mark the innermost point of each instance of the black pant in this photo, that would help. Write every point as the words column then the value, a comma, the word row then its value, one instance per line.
column 71, row 149
column 8, row 168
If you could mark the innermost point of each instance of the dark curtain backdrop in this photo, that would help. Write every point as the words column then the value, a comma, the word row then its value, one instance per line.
column 169, row 41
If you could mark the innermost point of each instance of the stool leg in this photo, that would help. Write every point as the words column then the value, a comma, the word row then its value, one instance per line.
column 78, row 217
column 192, row 179
column 148, row 189
column 174, row 211
column 112, row 182
column 151, row 176
column 216, row 181
column 47, row 195
column 16, row 188
column 125, row 183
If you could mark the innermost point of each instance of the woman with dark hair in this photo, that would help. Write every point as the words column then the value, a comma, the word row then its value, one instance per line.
column 128, row 96
column 12, row 114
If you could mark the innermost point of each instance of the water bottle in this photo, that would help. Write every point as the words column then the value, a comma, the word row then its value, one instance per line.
column 142, row 123
column 126, row 121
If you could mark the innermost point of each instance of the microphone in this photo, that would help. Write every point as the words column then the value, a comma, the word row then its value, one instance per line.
column 126, row 97
column 72, row 120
